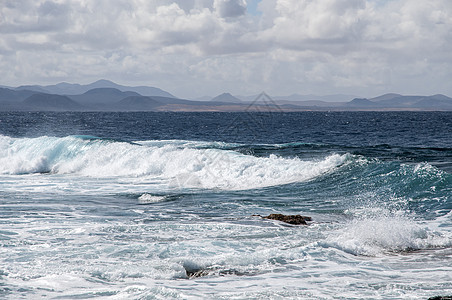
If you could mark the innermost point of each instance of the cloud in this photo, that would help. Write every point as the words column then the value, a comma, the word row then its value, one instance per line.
column 321, row 20
column 230, row 8
column 29, row 16
column 361, row 46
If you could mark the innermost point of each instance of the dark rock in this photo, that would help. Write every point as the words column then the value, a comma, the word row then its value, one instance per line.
column 193, row 270
column 196, row 273
column 193, row 273
column 440, row 298
column 290, row 219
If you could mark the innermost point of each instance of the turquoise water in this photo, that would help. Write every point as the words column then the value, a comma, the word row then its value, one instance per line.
column 129, row 205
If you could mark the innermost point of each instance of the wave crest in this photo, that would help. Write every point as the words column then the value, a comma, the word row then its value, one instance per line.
column 182, row 165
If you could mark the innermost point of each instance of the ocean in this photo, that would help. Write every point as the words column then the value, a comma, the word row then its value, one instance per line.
column 165, row 205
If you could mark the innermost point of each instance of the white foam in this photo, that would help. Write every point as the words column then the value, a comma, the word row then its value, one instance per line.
column 148, row 198
column 373, row 236
column 175, row 164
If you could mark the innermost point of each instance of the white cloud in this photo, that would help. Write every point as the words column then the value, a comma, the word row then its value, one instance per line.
column 328, row 19
column 199, row 46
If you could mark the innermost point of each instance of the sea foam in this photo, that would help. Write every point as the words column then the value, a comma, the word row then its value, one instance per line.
column 389, row 232
column 175, row 164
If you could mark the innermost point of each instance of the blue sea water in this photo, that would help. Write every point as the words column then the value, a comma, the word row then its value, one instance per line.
column 131, row 205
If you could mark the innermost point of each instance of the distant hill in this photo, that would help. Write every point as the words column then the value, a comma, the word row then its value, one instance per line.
column 51, row 102
column 8, row 95
column 102, row 96
column 138, row 103
column 74, row 89
column 142, row 90
column 227, row 98
column 361, row 102
column 385, row 97
column 34, row 88
column 435, row 101
column 65, row 88
column 399, row 102
column 107, row 96
column 402, row 101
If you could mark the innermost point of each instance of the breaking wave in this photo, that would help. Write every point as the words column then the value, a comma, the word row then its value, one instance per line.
column 185, row 164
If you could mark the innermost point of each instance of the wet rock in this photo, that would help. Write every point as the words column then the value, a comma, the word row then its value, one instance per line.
column 440, row 298
column 290, row 219
column 196, row 273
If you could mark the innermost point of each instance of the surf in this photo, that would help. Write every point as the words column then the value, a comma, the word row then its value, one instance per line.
column 178, row 163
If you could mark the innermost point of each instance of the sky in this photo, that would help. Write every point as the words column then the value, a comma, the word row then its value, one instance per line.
column 193, row 48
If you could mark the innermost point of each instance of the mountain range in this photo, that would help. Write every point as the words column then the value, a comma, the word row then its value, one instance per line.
column 65, row 88
column 104, row 95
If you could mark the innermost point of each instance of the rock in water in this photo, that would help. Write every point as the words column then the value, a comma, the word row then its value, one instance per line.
column 290, row 219
column 197, row 274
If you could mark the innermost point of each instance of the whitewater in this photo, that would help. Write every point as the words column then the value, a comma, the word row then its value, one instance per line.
column 165, row 205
